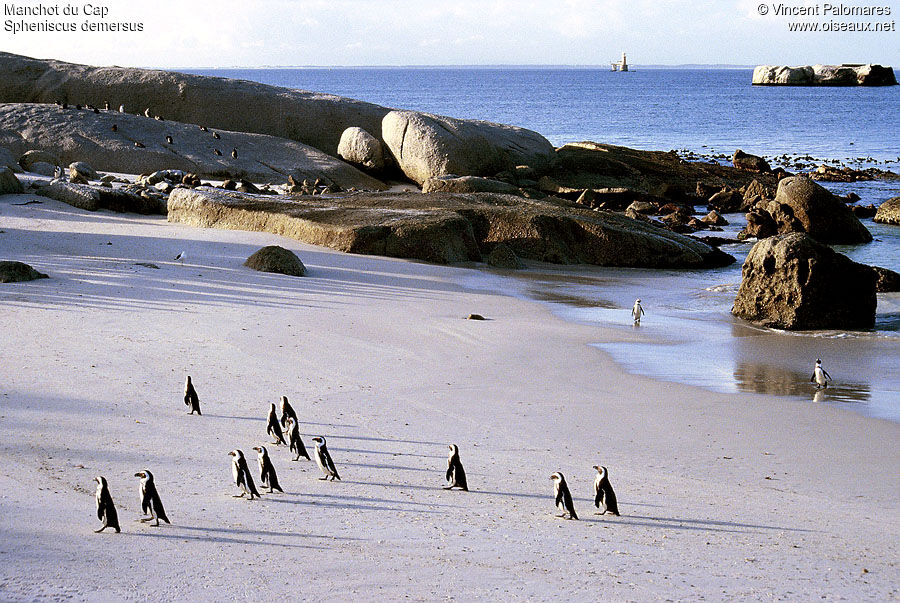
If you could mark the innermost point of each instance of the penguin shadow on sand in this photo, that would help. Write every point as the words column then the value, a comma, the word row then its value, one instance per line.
column 214, row 536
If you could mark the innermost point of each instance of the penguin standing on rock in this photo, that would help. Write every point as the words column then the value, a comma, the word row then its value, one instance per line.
column 820, row 376
column 106, row 510
column 169, row 140
column 267, row 475
column 273, row 428
column 241, row 474
column 563, row 497
column 190, row 397
column 456, row 475
column 294, row 440
column 151, row 504
column 287, row 411
column 323, row 460
column 234, row 153
column 603, row 492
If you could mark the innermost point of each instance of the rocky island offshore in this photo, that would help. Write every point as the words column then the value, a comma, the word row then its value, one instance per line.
column 824, row 75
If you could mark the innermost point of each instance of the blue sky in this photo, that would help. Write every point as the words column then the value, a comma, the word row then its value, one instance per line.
column 226, row 33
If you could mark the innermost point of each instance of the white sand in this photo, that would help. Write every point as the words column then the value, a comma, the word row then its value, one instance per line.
column 723, row 496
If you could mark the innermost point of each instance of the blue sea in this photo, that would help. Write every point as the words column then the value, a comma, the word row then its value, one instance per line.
column 688, row 334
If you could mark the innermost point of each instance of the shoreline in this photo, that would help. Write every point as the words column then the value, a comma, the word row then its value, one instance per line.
column 736, row 495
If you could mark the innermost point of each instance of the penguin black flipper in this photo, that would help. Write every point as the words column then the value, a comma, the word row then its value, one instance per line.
column 273, row 478
column 460, row 475
column 610, row 498
column 570, row 506
column 248, row 479
column 330, row 465
column 158, row 506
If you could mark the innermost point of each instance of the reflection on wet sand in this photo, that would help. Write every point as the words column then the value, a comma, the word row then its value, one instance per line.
column 775, row 380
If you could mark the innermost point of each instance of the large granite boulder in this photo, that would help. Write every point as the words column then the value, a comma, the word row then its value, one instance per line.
column 448, row 227
column 18, row 272
column 889, row 212
column 824, row 75
column 794, row 282
column 9, row 184
column 312, row 118
column 274, row 258
column 108, row 141
column 426, row 146
column 361, row 148
column 801, row 205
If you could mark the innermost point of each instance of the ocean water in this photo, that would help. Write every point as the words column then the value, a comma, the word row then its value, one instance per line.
column 688, row 334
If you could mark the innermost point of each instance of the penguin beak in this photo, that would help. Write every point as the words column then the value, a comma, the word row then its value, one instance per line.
column 139, row 474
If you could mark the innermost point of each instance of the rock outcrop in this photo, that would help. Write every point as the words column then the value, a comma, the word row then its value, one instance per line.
column 315, row 119
column 92, row 198
column 824, row 75
column 889, row 212
column 80, row 135
column 502, row 256
column 468, row 184
column 801, row 205
column 274, row 258
column 7, row 159
column 18, row 272
column 746, row 161
column 9, row 184
column 447, row 228
column 794, row 282
column 427, row 146
column 886, row 281
column 361, row 148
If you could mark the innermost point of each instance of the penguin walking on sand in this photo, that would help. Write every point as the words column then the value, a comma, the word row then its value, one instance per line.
column 190, row 397
column 456, row 475
column 603, row 492
column 151, row 504
column 242, row 477
column 106, row 510
column 267, row 475
column 294, row 440
column 563, row 497
column 234, row 153
column 323, row 459
column 216, row 135
column 273, row 428
column 820, row 376
column 287, row 411
column 637, row 311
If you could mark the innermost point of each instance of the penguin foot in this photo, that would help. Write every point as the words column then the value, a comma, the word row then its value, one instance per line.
column 447, row 487
column 323, row 478
column 237, row 496
column 100, row 530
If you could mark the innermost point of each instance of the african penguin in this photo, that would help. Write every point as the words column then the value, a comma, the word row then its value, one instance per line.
column 147, row 112
column 563, row 497
column 241, row 473
column 216, row 135
column 169, row 140
column 637, row 311
column 820, row 376
column 323, row 460
column 190, row 397
column 217, row 152
column 234, row 153
column 603, row 492
column 106, row 510
column 150, row 502
column 267, row 475
column 296, row 443
column 121, row 108
column 456, row 475
column 287, row 411
column 273, row 428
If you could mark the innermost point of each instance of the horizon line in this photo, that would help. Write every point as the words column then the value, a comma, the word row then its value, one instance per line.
column 604, row 66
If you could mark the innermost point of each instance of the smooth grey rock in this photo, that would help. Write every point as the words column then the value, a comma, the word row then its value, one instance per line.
column 794, row 282
column 18, row 272
column 7, row 159
column 87, row 136
column 752, row 163
column 9, row 184
column 32, row 156
column 426, row 146
column 273, row 258
column 83, row 170
column 361, row 148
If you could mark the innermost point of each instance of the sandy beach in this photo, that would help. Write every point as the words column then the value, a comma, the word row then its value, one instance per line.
column 723, row 496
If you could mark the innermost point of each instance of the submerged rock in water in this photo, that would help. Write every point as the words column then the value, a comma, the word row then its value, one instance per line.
column 794, row 282
column 824, row 75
